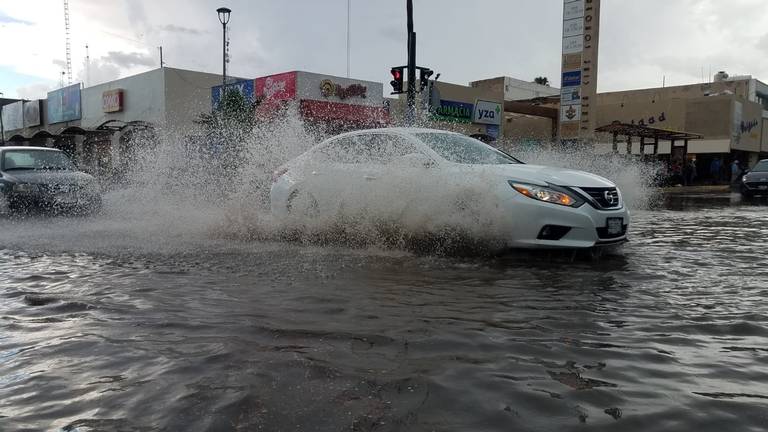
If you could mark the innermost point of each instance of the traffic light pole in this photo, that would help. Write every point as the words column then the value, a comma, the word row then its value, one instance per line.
column 411, row 111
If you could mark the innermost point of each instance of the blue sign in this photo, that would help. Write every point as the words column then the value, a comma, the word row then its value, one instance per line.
column 454, row 111
column 64, row 104
column 244, row 87
column 492, row 130
column 571, row 79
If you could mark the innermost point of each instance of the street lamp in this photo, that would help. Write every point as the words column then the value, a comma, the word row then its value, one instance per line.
column 224, row 19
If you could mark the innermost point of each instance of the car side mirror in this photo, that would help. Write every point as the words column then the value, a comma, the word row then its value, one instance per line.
column 416, row 160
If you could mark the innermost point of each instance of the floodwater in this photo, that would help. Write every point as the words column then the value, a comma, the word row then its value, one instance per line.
column 108, row 325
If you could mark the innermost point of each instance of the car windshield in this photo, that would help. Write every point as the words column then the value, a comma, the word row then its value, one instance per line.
column 464, row 150
column 761, row 166
column 35, row 160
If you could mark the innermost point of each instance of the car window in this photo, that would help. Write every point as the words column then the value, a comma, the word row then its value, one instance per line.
column 35, row 159
column 382, row 148
column 342, row 150
column 464, row 150
column 761, row 166
column 375, row 148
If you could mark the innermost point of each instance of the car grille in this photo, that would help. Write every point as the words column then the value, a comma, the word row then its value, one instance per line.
column 60, row 188
column 598, row 196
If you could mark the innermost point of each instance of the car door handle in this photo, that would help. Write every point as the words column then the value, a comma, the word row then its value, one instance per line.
column 369, row 177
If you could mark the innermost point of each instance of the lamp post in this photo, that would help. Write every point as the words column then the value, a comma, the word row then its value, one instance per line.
column 224, row 19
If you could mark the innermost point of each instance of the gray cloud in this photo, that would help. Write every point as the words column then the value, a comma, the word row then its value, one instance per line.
column 127, row 60
column 5, row 19
column 171, row 28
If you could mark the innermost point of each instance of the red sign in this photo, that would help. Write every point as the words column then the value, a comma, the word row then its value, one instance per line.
column 112, row 101
column 276, row 87
column 361, row 114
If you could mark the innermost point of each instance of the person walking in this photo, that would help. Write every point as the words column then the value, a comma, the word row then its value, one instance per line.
column 735, row 172
column 714, row 170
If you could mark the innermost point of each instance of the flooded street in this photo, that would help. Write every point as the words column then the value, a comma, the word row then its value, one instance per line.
column 104, row 328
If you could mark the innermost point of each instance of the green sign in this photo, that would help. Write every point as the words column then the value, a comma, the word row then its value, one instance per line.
column 453, row 111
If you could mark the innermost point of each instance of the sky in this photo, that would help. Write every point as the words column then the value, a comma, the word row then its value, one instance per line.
column 641, row 42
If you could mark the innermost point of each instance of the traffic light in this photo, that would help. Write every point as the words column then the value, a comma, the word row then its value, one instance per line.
column 397, row 79
column 424, row 75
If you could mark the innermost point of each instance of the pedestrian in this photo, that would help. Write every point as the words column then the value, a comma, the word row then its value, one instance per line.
column 735, row 171
column 714, row 170
column 692, row 173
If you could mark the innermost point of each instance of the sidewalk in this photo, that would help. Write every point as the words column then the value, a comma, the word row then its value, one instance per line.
column 713, row 189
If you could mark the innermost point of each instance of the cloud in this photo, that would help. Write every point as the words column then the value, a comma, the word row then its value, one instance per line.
column 33, row 91
column 171, row 28
column 128, row 60
column 5, row 19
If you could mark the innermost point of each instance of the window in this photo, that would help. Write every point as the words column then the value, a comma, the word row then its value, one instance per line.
column 375, row 148
column 761, row 166
column 35, row 159
column 464, row 150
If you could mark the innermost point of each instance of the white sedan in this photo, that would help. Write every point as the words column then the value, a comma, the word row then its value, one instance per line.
column 431, row 180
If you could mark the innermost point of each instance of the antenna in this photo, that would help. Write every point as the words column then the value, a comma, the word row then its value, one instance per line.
column 161, row 56
column 69, row 49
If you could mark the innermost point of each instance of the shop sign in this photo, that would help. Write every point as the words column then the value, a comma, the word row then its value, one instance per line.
column 571, row 79
column 276, row 87
column 454, row 111
column 244, row 87
column 573, row 44
column 573, row 9
column 13, row 116
column 32, row 113
column 573, row 27
column 747, row 126
column 112, row 101
column 487, row 112
column 650, row 120
column 329, row 88
column 570, row 95
column 64, row 104
column 572, row 113
column 492, row 130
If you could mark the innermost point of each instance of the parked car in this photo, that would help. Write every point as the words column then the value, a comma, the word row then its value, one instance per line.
column 44, row 179
column 755, row 181
column 412, row 173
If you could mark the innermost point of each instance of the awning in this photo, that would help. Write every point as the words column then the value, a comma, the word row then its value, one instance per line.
column 634, row 130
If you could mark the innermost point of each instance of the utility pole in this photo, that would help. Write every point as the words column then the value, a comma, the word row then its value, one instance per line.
column 411, row 67
column 161, row 56
column 87, row 66
column 349, row 11
column 2, row 128
column 68, row 49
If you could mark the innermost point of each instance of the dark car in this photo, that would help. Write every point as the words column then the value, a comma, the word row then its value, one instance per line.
column 755, row 181
column 44, row 179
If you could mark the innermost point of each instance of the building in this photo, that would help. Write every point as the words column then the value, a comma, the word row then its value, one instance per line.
column 95, row 124
column 515, row 89
column 731, row 113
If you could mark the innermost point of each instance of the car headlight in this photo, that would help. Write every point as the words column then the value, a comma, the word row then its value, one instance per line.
column 551, row 194
column 25, row 188
column 744, row 179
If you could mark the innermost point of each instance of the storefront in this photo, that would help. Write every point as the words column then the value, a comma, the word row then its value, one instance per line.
column 327, row 103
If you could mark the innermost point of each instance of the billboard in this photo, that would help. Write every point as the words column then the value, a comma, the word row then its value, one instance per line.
column 244, row 87
column 32, row 115
column 112, row 101
column 581, row 32
column 13, row 116
column 64, row 104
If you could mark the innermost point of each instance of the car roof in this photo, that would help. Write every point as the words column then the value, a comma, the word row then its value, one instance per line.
column 27, row 148
column 398, row 130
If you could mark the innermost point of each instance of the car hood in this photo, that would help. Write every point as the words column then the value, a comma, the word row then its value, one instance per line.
column 48, row 177
column 542, row 175
column 760, row 176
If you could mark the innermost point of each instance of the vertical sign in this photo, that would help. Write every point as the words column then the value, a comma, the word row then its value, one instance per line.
column 581, row 29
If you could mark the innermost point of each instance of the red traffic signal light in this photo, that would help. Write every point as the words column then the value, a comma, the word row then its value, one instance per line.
column 397, row 81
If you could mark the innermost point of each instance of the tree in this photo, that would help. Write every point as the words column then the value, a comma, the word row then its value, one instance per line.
column 542, row 80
